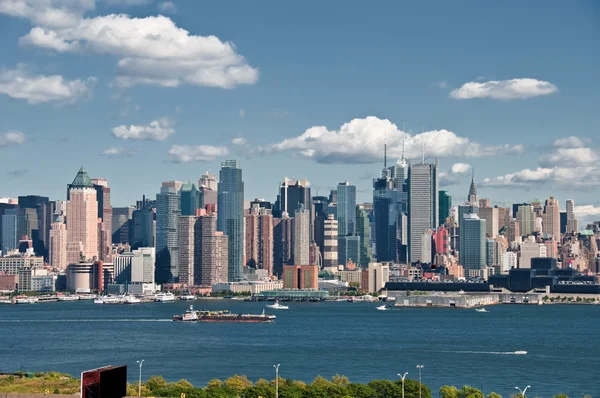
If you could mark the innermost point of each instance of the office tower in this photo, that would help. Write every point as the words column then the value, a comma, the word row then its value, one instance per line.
column 330, row 243
column 531, row 249
column 230, row 218
column 259, row 238
column 472, row 254
column 472, row 197
column 349, row 249
column 105, row 215
column 512, row 230
column 300, row 277
column 143, row 265
column 538, row 209
column 526, row 218
column 186, row 249
column 211, row 252
column 10, row 230
column 423, row 205
column 490, row 215
column 141, row 227
column 441, row 240
column 82, row 220
column 494, row 252
column 378, row 274
column 346, row 209
column 41, row 218
column 381, row 209
column 515, row 208
column 504, row 217
column 190, row 199
column 572, row 222
column 283, row 239
column 292, row 194
column 445, row 206
column 363, row 230
column 121, row 217
column 551, row 219
column 563, row 222
column 321, row 211
column 58, row 245
column 209, row 187
column 427, row 247
column 301, row 236
column 509, row 261
column 167, row 234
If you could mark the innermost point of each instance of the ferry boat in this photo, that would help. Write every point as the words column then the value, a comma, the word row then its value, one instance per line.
column 164, row 297
column 192, row 315
column 277, row 306
column 111, row 300
column 187, row 297
column 68, row 298
column 5, row 300
column 26, row 300
column 87, row 296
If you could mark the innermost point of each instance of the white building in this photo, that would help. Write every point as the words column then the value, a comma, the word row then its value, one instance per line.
column 142, row 265
column 378, row 276
column 509, row 261
column 531, row 249
column 253, row 287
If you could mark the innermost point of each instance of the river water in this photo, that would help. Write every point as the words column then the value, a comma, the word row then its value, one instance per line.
column 456, row 346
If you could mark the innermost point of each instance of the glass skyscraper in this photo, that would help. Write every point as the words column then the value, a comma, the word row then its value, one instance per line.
column 167, row 234
column 346, row 209
column 423, row 205
column 230, row 219
column 472, row 253
column 191, row 199
column 445, row 206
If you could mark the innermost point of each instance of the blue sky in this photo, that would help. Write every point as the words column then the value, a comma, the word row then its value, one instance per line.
column 508, row 89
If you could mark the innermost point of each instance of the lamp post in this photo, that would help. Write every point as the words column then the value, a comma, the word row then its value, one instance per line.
column 402, row 377
column 523, row 391
column 420, row 367
column 140, row 381
column 276, row 380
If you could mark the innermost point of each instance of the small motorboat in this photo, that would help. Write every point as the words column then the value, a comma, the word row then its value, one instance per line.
column 277, row 306
column 520, row 352
column 482, row 309
column 382, row 308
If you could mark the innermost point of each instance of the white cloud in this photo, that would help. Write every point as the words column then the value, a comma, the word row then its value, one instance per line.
column 586, row 211
column 202, row 153
column 504, row 89
column 167, row 7
column 569, row 142
column 242, row 113
column 20, row 83
column 11, row 138
column 117, row 152
column 569, row 157
column 574, row 177
column 127, row 3
column 157, row 130
column 362, row 141
column 460, row 168
column 151, row 50
column 49, row 13
column 457, row 172
column 239, row 141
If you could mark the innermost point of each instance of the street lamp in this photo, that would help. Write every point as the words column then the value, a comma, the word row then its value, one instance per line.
column 140, row 382
column 420, row 367
column 402, row 377
column 523, row 391
column 276, row 380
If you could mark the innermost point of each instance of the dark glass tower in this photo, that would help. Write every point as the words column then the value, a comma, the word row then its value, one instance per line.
column 191, row 199
column 445, row 206
column 230, row 210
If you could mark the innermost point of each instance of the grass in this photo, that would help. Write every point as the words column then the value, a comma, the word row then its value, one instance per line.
column 51, row 382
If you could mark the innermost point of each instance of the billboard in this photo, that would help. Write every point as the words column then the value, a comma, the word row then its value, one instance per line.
column 106, row 382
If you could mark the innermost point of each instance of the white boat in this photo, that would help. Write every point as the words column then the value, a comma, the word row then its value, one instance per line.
column 99, row 300
column 481, row 309
column 112, row 300
column 187, row 297
column 277, row 306
column 383, row 308
column 164, row 297
column 26, row 300
column 131, row 300
column 5, row 301
column 520, row 352
column 68, row 298
column 540, row 302
column 461, row 292
column 88, row 296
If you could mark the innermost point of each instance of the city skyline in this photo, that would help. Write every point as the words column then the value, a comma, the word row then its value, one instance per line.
column 514, row 111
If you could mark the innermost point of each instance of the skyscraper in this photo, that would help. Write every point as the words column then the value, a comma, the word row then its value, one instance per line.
column 330, row 242
column 10, row 230
column 349, row 249
column 259, row 238
column 40, row 219
column 473, row 197
column 105, row 217
column 209, row 187
column 167, row 233
column 472, row 254
column 292, row 194
column 58, row 245
column 490, row 215
column 210, row 251
column 190, row 199
column 551, row 219
column 230, row 218
column 423, row 205
column 445, row 206
column 572, row 222
column 526, row 218
column 346, row 209
column 283, row 243
column 186, row 249
column 121, row 216
column 82, row 219
column 141, row 228
column 302, row 237
column 363, row 230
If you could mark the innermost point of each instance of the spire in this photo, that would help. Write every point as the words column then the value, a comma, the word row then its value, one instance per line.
column 385, row 153
column 473, row 189
column 82, row 180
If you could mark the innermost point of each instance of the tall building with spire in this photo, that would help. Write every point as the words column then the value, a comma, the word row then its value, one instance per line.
column 473, row 198
column 82, row 220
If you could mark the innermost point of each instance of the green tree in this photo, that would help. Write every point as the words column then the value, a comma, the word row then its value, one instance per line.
column 494, row 395
column 238, row 383
column 448, row 392
column 385, row 388
column 340, row 380
column 560, row 396
column 156, row 383
column 470, row 392
column 360, row 391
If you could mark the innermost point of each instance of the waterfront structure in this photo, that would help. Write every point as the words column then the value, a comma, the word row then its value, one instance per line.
column 186, row 249
column 191, row 199
column 300, row 277
column 82, row 220
column 167, row 233
column 302, row 236
column 423, row 205
column 259, row 238
column 346, row 209
column 121, row 217
column 363, row 231
column 472, row 253
column 58, row 245
column 330, row 242
column 490, row 215
column 89, row 276
column 378, row 276
column 445, row 205
column 551, row 219
column 254, row 287
column 230, row 219
column 530, row 249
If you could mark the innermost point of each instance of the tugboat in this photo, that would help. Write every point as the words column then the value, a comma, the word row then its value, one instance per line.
column 192, row 315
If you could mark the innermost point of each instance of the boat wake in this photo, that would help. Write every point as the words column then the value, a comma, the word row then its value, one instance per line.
column 491, row 352
column 79, row 320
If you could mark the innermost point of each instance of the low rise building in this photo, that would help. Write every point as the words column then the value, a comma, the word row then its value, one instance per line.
column 253, row 287
column 300, row 277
